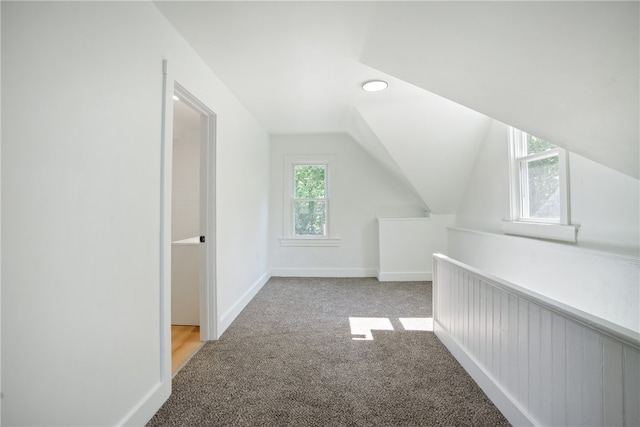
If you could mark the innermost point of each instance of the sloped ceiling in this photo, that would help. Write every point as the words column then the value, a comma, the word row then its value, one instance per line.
column 567, row 72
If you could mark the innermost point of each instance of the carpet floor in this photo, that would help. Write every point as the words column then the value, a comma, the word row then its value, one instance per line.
column 298, row 355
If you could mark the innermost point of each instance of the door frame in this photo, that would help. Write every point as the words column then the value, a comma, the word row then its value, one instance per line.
column 208, row 292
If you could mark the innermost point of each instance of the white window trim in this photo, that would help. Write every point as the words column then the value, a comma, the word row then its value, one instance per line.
column 561, row 230
column 289, row 238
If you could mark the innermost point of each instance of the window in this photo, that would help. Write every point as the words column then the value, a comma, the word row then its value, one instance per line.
column 307, row 206
column 310, row 200
column 539, row 189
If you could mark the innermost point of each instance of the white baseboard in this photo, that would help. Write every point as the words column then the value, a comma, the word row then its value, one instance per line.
column 148, row 406
column 230, row 315
column 323, row 272
column 409, row 276
column 512, row 411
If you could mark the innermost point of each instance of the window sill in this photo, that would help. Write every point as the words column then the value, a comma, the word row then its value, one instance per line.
column 564, row 233
column 302, row 241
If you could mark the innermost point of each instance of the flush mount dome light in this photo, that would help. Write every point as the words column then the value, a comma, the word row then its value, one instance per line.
column 374, row 85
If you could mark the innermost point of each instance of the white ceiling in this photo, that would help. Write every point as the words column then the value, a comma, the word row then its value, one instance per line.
column 567, row 72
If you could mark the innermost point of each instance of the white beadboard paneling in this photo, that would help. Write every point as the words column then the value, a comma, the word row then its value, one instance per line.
column 512, row 366
column 575, row 356
column 603, row 284
column 523, row 351
column 612, row 387
column 631, row 386
column 487, row 325
column 534, row 368
column 548, row 364
column 504, row 337
column 496, row 335
column 592, row 380
column 558, row 371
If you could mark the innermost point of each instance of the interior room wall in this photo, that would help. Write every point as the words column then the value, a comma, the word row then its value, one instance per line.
column 185, row 205
column 604, row 202
column 185, row 216
column 81, row 155
column 599, row 274
column 361, row 189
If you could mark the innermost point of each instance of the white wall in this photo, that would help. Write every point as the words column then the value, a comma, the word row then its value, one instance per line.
column 361, row 188
column 81, row 104
column 599, row 275
column 0, row 213
column 604, row 202
column 407, row 245
column 185, row 204
column 433, row 140
column 185, row 216
column 583, row 92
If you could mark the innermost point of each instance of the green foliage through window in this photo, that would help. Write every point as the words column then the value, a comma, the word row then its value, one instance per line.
column 538, row 145
column 309, row 181
column 310, row 204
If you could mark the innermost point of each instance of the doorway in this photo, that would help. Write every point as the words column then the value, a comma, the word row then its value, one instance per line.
column 187, row 255
column 185, row 233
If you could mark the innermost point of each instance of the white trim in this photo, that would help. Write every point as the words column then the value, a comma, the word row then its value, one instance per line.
column 512, row 411
column 627, row 256
column 146, row 408
column 463, row 322
column 517, row 141
column 600, row 325
column 564, row 233
column 404, row 276
column 323, row 272
column 514, row 176
column 166, row 171
column 230, row 315
column 207, row 251
column 403, row 219
column 305, row 241
column 289, row 161
column 565, row 187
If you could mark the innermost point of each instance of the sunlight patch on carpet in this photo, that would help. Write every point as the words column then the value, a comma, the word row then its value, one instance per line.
column 417, row 323
column 364, row 326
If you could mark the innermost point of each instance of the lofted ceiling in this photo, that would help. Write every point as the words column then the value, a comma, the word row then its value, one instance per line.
column 567, row 72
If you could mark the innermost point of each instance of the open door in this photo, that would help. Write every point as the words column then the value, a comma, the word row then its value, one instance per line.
column 203, row 239
column 186, row 248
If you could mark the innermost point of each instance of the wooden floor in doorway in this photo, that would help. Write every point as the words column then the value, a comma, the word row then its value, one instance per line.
column 185, row 340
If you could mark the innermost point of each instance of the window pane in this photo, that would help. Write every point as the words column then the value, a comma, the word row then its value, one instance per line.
column 538, row 145
column 543, row 179
column 309, row 181
column 310, row 218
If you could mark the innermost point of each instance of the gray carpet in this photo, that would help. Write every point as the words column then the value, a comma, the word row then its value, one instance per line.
column 289, row 359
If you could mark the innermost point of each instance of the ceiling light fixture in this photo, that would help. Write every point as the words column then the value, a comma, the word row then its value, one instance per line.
column 374, row 85
column 175, row 98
